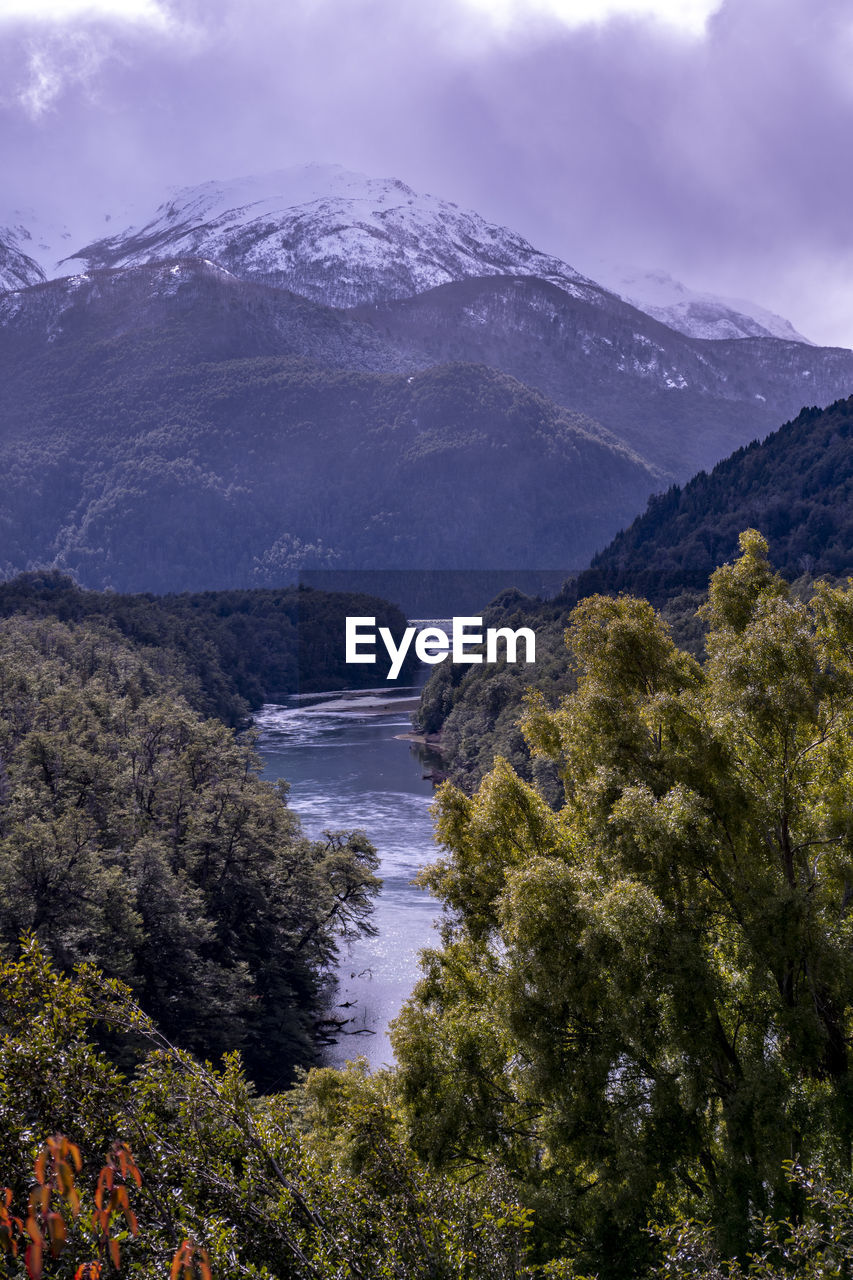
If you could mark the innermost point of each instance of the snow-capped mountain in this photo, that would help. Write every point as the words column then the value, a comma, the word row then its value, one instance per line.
column 46, row 237
column 344, row 239
column 17, row 267
column 334, row 236
column 321, row 360
column 696, row 314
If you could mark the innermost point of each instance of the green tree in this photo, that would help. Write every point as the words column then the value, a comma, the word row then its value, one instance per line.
column 642, row 1005
column 313, row 1185
column 139, row 837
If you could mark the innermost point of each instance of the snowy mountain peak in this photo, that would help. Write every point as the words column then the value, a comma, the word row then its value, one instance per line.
column 343, row 239
column 335, row 236
column 18, row 267
column 699, row 315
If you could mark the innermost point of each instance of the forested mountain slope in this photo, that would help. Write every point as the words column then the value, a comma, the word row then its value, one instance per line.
column 175, row 429
column 681, row 402
column 796, row 487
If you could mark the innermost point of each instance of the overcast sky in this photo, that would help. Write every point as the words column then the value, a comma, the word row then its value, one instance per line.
column 711, row 139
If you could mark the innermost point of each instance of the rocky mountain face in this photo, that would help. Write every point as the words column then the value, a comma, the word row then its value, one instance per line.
column 314, row 368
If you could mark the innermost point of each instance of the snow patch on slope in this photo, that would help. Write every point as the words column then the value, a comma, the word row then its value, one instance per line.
column 46, row 242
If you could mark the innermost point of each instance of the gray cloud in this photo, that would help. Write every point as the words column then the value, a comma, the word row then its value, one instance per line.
column 725, row 160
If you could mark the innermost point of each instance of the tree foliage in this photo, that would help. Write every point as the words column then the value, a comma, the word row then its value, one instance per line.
column 139, row 837
column 476, row 711
column 257, row 1186
column 642, row 1004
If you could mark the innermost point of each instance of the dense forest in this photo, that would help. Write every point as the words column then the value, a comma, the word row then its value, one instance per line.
column 229, row 650
column 628, row 1055
column 137, row 836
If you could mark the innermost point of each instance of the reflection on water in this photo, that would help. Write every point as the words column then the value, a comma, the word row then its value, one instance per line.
column 348, row 769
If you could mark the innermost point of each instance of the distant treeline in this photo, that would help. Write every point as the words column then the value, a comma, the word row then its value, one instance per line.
column 228, row 650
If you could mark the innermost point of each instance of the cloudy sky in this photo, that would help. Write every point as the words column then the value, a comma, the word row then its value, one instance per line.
column 711, row 139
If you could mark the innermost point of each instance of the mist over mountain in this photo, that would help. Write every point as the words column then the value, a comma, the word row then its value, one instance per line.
column 315, row 369
column 695, row 313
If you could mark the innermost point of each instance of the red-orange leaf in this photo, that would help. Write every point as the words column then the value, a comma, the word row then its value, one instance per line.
column 33, row 1260
column 56, row 1230
column 178, row 1260
column 115, row 1253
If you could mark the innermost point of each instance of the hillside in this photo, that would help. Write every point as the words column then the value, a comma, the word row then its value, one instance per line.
column 679, row 402
column 172, row 429
column 796, row 487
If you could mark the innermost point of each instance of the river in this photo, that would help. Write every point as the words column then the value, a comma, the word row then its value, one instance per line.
column 348, row 768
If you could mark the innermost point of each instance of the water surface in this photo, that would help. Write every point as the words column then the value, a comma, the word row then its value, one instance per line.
column 348, row 768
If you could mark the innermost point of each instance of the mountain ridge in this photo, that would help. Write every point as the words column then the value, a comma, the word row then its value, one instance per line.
column 320, row 229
